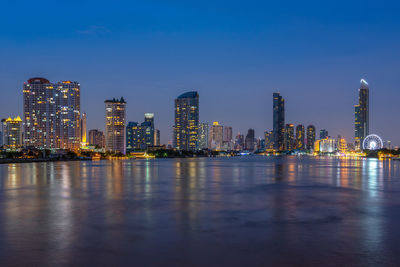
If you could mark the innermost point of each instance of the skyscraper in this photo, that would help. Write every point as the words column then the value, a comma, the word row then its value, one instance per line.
column 52, row 114
column 269, row 140
column 203, row 135
column 250, row 140
column 362, row 115
column 115, row 125
column 156, row 137
column 300, row 132
column 149, row 129
column 12, row 132
column 310, row 137
column 289, row 137
column 216, row 136
column 186, row 121
column 83, row 129
column 279, row 121
column 323, row 134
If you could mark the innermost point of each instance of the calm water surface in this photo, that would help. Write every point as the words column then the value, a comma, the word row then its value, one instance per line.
column 246, row 211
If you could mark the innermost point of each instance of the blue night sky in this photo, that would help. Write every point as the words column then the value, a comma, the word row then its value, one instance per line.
column 234, row 53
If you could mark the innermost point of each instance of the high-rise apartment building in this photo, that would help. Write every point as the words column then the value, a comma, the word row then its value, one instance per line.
column 269, row 140
column 141, row 136
column 148, row 129
column 289, row 137
column 278, row 121
column 186, row 128
column 115, row 125
column 203, row 135
column 157, row 137
column 300, row 133
column 97, row 138
column 239, row 142
column 362, row 115
column 83, row 129
column 52, row 114
column 216, row 136
column 250, row 140
column 323, row 134
column 12, row 132
column 310, row 137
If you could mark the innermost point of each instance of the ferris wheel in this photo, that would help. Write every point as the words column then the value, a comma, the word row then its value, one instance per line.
column 372, row 142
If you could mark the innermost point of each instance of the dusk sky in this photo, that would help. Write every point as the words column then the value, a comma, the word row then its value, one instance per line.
column 234, row 53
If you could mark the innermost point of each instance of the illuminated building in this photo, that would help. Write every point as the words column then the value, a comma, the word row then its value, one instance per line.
column 140, row 136
column 156, row 137
column 97, row 138
column 203, row 135
column 186, row 121
column 250, row 140
column 52, row 114
column 317, row 145
column 327, row 145
column 300, row 132
column 12, row 132
column 115, row 125
column 216, row 137
column 341, row 144
column 269, row 140
column 323, row 134
column 83, row 129
column 362, row 115
column 278, row 121
column 148, row 129
column 289, row 137
column 310, row 137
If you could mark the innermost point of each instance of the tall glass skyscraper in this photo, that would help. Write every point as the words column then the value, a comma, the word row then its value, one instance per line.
column 310, row 137
column 362, row 115
column 186, row 121
column 279, row 121
column 115, row 125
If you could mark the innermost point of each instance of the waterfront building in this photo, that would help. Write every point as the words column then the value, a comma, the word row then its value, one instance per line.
column 310, row 137
column 203, row 135
column 115, row 125
column 341, row 144
column 289, row 137
column 97, row 138
column 216, row 136
column 12, row 132
column 250, row 140
column 227, row 139
column 156, row 137
column 148, row 129
column 278, row 121
column 269, row 140
column 323, row 134
column 83, row 130
column 300, row 132
column 361, row 115
column 327, row 145
column 141, row 136
column 239, row 142
column 52, row 114
column 186, row 121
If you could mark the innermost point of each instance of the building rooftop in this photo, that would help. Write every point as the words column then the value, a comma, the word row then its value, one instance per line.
column 116, row 100
column 192, row 94
column 38, row 80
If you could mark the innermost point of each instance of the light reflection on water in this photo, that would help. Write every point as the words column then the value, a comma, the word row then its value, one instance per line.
column 236, row 211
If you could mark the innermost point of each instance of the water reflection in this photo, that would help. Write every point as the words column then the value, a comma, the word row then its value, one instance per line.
column 237, row 211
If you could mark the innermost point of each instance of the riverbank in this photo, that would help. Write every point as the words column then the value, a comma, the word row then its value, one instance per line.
column 9, row 160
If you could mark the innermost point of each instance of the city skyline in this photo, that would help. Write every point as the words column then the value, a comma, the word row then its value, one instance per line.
column 306, row 53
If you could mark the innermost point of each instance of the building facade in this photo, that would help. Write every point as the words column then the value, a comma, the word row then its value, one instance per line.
column 203, row 135
column 278, row 121
column 186, row 127
column 362, row 115
column 323, row 134
column 97, row 138
column 310, row 137
column 300, row 133
column 83, row 130
column 249, row 142
column 269, row 140
column 52, row 114
column 216, row 136
column 289, row 137
column 12, row 133
column 115, row 125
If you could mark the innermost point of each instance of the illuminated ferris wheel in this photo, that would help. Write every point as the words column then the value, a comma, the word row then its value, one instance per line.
column 372, row 142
